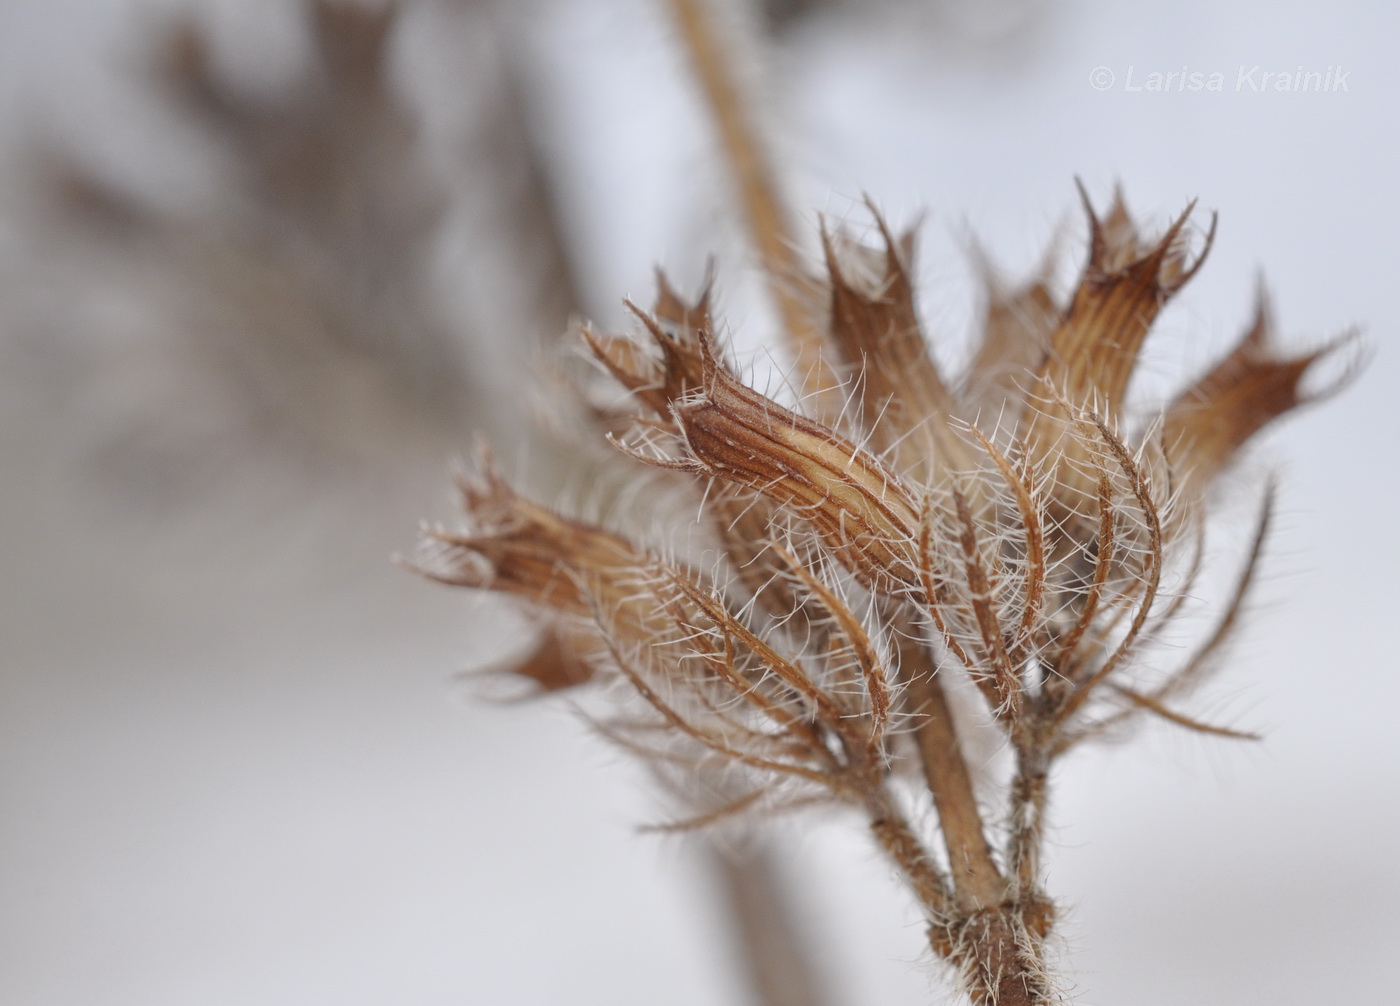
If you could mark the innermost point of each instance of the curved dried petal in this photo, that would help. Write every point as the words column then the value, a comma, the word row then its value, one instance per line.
column 904, row 402
column 514, row 546
column 1095, row 347
column 860, row 509
column 674, row 327
column 1016, row 327
column 556, row 661
column 1250, row 387
column 742, row 519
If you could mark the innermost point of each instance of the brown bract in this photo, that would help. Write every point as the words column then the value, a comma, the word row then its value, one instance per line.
column 556, row 661
column 1017, row 322
column 516, row 547
column 674, row 326
column 855, row 503
column 904, row 403
column 1254, row 384
column 1005, row 525
column 1095, row 347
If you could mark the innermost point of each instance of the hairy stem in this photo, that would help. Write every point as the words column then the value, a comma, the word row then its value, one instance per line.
column 1028, row 798
column 993, row 935
column 902, row 845
column 976, row 880
column 1000, row 961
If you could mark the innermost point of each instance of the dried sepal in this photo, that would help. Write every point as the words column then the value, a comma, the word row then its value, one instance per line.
column 688, row 727
column 737, row 635
column 516, row 547
column 743, row 520
column 987, row 572
column 733, row 695
column 1124, row 285
column 709, row 818
column 849, row 643
column 1143, row 583
column 1254, row 384
column 1017, row 322
column 1157, row 708
column 556, row 661
column 1205, row 659
column 1085, row 605
column 904, row 402
column 656, row 379
column 976, row 587
column 686, row 316
column 1095, row 348
column 859, row 508
column 1023, row 515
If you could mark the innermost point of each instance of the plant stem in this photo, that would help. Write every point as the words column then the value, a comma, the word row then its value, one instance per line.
column 765, row 215
column 976, row 880
column 987, row 938
column 1028, row 797
column 904, row 848
column 781, row 967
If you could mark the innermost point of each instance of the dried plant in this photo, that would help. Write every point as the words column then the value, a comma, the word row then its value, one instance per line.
column 293, row 318
column 889, row 561
column 887, row 534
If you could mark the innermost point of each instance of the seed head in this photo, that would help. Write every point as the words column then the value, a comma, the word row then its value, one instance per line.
column 860, row 555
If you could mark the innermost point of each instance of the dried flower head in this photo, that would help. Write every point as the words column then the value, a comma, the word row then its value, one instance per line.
column 861, row 556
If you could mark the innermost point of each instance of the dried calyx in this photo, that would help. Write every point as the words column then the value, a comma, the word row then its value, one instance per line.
column 861, row 556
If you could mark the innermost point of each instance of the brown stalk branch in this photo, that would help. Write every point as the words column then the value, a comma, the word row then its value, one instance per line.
column 899, row 842
column 1157, row 708
column 1149, row 576
column 1105, row 545
column 991, row 934
column 1023, row 491
column 872, row 669
column 1029, row 793
column 705, row 740
column 980, row 590
column 765, row 215
column 781, row 966
column 977, row 882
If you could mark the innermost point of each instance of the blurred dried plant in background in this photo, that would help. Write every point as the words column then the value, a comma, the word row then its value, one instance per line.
column 296, row 320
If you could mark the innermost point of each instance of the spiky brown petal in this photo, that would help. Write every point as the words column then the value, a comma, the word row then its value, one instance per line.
column 1016, row 327
column 673, row 326
column 630, row 365
column 518, row 547
column 859, row 508
column 904, row 401
column 1096, row 346
column 741, row 518
column 686, row 316
column 555, row 662
column 1250, row 387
